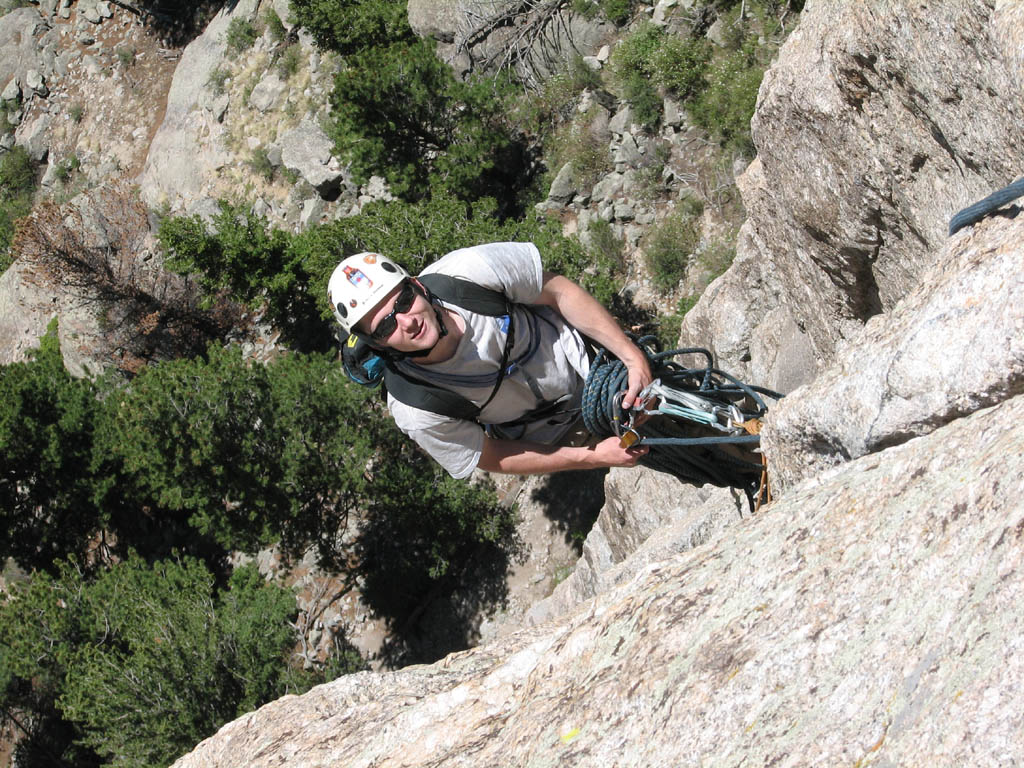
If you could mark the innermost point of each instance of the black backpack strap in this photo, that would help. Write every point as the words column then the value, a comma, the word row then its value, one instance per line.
column 468, row 295
column 430, row 397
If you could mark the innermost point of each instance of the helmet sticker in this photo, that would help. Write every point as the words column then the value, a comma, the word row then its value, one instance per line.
column 357, row 277
column 370, row 258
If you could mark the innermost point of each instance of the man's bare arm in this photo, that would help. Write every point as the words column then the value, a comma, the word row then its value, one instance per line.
column 585, row 313
column 521, row 457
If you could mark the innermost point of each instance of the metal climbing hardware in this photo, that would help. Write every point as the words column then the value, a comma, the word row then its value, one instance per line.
column 702, row 425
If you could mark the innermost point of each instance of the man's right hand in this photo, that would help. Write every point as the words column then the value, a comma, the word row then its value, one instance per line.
column 609, row 453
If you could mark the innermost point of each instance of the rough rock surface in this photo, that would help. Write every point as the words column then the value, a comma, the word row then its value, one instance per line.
column 639, row 503
column 184, row 152
column 953, row 345
column 867, row 144
column 870, row 616
column 18, row 30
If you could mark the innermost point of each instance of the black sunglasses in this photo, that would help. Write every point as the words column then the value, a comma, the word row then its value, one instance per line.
column 406, row 298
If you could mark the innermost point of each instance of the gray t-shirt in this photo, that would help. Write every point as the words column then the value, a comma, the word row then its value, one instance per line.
column 552, row 363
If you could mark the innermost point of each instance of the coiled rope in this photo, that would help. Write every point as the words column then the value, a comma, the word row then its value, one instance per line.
column 972, row 214
column 684, row 432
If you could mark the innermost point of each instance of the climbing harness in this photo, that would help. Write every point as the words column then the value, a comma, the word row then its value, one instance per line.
column 972, row 214
column 701, row 424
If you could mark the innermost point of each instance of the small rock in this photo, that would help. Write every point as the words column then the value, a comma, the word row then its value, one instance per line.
column 35, row 82
column 12, row 91
column 267, row 92
column 621, row 120
column 564, row 187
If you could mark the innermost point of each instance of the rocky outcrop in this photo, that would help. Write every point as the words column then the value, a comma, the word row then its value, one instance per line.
column 19, row 30
column 870, row 613
column 186, row 150
column 638, row 504
column 867, row 144
column 954, row 345
column 870, row 617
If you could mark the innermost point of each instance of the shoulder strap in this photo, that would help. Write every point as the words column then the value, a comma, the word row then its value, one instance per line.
column 430, row 397
column 466, row 294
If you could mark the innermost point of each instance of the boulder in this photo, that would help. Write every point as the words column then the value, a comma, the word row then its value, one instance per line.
column 12, row 91
column 34, row 136
column 307, row 150
column 867, row 144
column 952, row 346
column 20, row 50
column 268, row 92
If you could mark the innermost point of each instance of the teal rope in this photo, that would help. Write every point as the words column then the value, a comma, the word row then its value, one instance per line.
column 678, row 447
column 972, row 214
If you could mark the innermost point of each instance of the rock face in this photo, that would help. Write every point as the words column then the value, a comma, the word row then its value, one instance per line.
column 871, row 613
column 182, row 154
column 867, row 144
column 953, row 345
column 873, row 616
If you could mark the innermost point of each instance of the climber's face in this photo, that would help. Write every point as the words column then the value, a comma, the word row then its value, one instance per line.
column 405, row 321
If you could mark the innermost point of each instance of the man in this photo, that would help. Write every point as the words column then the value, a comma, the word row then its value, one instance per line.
column 527, row 412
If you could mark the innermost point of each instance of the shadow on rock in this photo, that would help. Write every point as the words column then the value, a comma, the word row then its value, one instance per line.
column 572, row 501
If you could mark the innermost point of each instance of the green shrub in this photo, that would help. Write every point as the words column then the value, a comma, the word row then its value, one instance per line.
column 260, row 163
column 275, row 27
column 573, row 143
column 217, row 80
column 678, row 65
column 126, row 56
column 144, row 660
column 618, row 12
column 648, row 59
column 17, row 184
column 400, row 112
column 602, row 242
column 726, row 107
column 288, row 61
column 356, row 25
column 241, row 34
column 671, row 244
column 75, row 112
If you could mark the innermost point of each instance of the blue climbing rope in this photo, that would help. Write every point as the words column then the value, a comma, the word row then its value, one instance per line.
column 684, row 442
column 972, row 214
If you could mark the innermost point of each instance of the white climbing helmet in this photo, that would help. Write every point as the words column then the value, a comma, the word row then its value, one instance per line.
column 359, row 283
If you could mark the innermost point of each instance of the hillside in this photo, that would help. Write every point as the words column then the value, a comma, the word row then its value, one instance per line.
column 867, row 615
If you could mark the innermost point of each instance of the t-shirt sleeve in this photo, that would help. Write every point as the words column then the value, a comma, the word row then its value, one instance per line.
column 453, row 443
